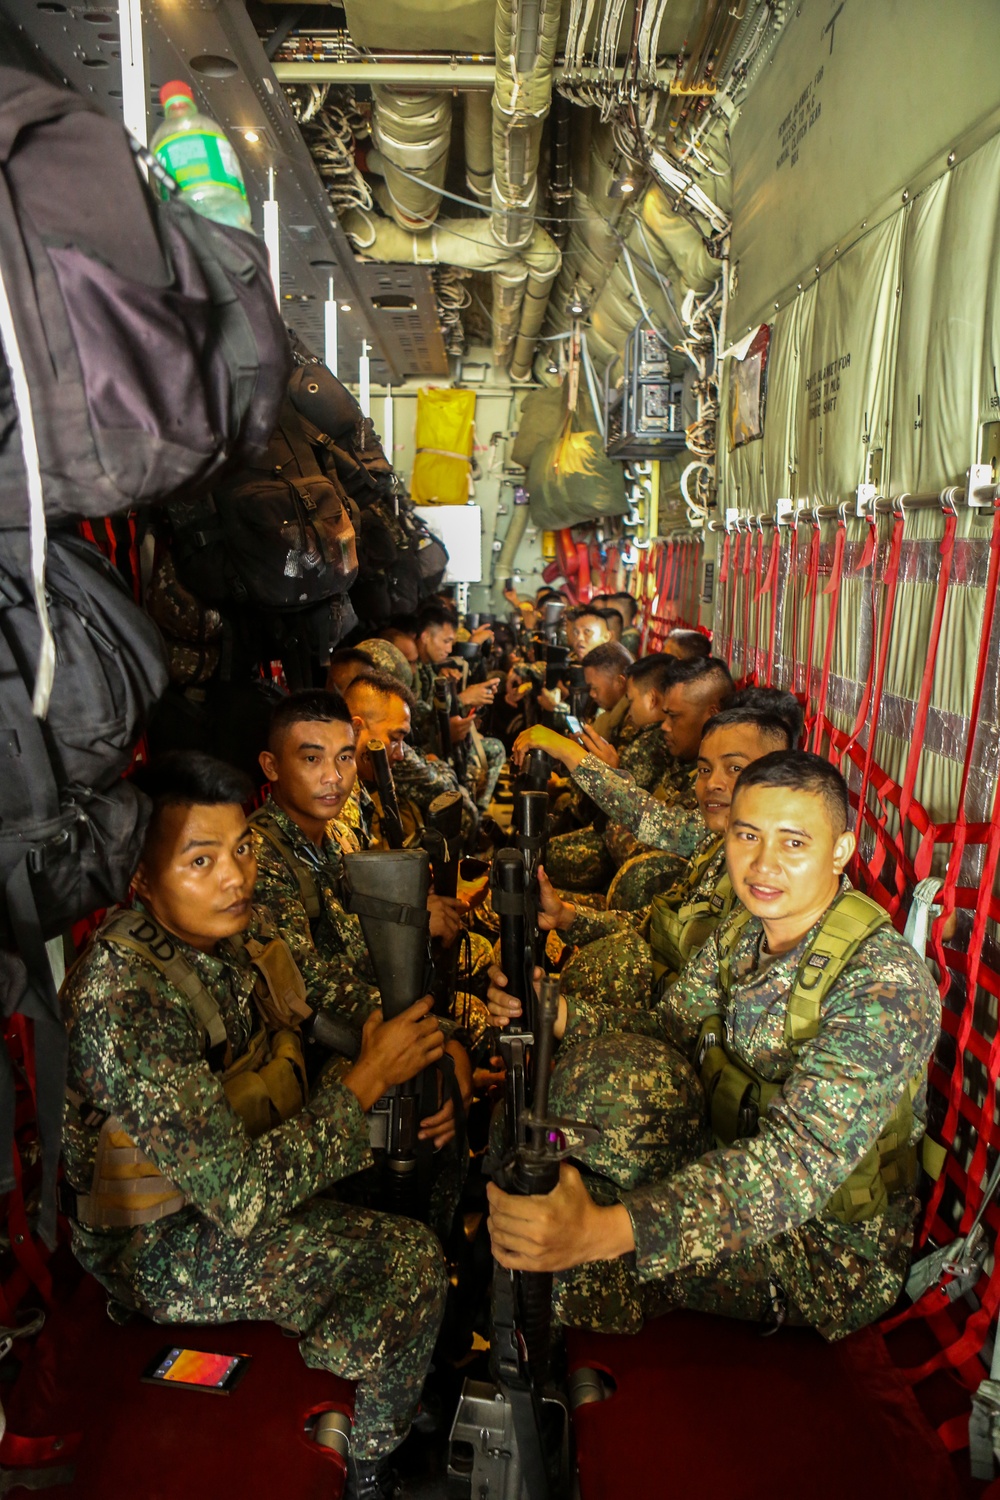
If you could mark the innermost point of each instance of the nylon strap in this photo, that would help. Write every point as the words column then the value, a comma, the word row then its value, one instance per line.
column 833, row 590
column 386, row 911
column 125, row 930
column 264, row 822
column 811, row 593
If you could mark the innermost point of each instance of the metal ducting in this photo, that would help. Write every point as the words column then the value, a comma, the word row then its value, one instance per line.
column 478, row 105
column 521, row 282
column 525, row 41
column 412, row 133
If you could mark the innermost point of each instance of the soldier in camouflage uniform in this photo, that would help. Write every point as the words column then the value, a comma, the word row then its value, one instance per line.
column 666, row 819
column 809, row 1218
column 419, row 779
column 618, row 963
column 435, row 640
column 256, row 1232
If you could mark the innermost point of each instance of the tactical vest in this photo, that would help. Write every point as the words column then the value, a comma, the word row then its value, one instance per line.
column 266, row 824
column 265, row 1084
column 738, row 1096
column 680, row 920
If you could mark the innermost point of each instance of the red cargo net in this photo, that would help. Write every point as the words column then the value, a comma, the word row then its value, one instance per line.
column 938, row 1341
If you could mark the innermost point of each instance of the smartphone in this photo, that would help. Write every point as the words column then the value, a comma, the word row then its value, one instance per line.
column 197, row 1370
column 573, row 724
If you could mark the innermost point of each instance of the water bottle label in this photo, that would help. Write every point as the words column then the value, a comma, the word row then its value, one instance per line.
column 193, row 158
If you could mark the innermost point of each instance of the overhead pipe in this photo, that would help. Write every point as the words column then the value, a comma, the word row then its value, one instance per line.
column 478, row 122
column 412, row 132
column 526, row 33
column 561, row 173
column 521, row 282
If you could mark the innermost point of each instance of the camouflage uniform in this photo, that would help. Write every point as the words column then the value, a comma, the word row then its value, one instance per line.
column 632, row 641
column 614, row 963
column 331, row 953
column 742, row 1230
column 363, row 1291
column 666, row 818
column 427, row 739
column 419, row 780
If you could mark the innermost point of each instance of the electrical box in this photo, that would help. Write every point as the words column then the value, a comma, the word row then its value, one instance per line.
column 643, row 419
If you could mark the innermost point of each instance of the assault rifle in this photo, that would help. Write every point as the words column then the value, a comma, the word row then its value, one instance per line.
column 391, row 822
column 388, row 891
column 442, row 839
column 442, row 712
column 518, row 1430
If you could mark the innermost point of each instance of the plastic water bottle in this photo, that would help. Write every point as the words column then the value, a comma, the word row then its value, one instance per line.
column 197, row 154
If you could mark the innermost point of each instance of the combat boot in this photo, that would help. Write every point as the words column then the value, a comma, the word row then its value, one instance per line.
column 371, row 1479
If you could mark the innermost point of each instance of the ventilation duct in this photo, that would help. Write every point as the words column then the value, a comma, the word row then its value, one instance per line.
column 412, row 132
column 478, row 105
column 525, row 42
column 521, row 282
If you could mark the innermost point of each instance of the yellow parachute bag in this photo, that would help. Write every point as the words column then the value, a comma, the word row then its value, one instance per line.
column 443, row 463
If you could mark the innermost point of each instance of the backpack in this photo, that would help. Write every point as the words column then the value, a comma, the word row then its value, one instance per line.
column 152, row 347
column 70, row 829
column 276, row 534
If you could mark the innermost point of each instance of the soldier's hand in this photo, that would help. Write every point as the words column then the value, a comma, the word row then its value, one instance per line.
column 555, row 914
column 447, row 914
column 503, row 1008
column 479, row 694
column 461, row 728
column 600, row 747
column 440, row 1126
column 555, row 1231
column 482, row 633
column 394, row 1051
column 556, row 745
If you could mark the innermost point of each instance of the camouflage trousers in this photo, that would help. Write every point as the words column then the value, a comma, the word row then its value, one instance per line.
column 642, row 877
column 649, row 1104
column 364, row 1291
column 579, row 861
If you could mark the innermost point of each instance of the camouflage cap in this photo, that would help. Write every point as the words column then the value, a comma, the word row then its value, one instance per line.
column 390, row 659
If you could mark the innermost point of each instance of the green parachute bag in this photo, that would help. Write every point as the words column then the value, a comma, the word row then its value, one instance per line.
column 571, row 480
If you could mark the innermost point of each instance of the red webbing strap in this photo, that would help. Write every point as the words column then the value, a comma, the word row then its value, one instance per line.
column 725, row 632
column 866, row 560
column 811, row 591
column 890, row 584
column 769, row 587
column 833, row 590
column 967, row 1017
column 691, row 587
column 925, row 850
column 746, row 599
column 758, row 576
column 793, row 584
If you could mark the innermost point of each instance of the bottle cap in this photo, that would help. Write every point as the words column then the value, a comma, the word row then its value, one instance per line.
column 171, row 90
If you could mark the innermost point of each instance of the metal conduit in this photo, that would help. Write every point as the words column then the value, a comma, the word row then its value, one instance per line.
column 814, row 515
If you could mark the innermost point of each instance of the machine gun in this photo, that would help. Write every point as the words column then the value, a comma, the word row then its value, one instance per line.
column 442, row 839
column 388, row 891
column 392, row 823
column 517, row 1431
column 453, row 754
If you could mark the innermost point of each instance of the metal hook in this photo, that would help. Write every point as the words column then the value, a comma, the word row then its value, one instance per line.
column 947, row 498
column 814, row 512
column 842, row 514
column 898, row 508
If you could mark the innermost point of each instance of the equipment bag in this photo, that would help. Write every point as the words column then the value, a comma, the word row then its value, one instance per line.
column 70, row 829
column 275, row 535
column 152, row 346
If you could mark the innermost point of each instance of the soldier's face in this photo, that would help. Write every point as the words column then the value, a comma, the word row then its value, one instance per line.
column 385, row 719
column 312, row 772
column 721, row 757
column 340, row 676
column 645, row 704
column 435, row 643
column 406, row 644
column 590, row 632
column 785, row 857
column 606, row 688
column 684, row 716
column 198, row 872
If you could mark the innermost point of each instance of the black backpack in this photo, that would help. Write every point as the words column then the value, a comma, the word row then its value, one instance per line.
column 70, row 828
column 153, row 349
column 277, row 534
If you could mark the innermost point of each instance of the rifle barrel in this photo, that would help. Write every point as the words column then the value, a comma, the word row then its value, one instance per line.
column 392, row 823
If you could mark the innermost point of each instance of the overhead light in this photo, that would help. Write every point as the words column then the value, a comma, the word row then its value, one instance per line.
column 577, row 307
column 251, row 137
column 622, row 186
column 345, row 307
column 552, row 368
